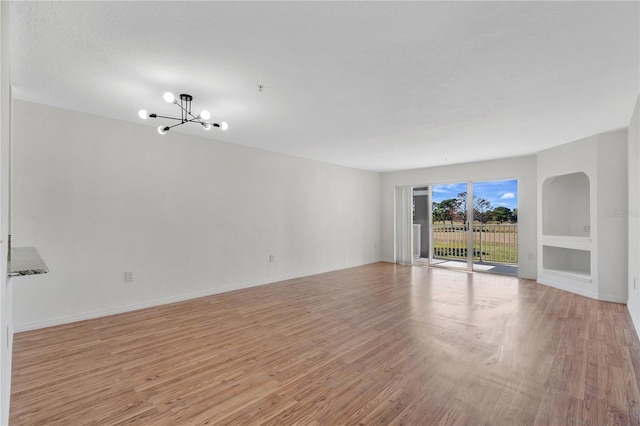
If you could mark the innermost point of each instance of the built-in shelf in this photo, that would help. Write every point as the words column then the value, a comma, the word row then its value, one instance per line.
column 25, row 261
column 568, row 261
column 572, row 275
column 564, row 241
column 565, row 205
column 566, row 229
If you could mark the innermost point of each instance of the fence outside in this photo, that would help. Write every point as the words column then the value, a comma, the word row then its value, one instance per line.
column 491, row 242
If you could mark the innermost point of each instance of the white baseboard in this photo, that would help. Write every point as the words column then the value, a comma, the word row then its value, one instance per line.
column 570, row 289
column 20, row 327
column 614, row 299
column 585, row 293
column 527, row 276
column 34, row 325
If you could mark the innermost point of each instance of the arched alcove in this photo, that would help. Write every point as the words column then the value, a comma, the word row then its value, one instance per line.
column 565, row 205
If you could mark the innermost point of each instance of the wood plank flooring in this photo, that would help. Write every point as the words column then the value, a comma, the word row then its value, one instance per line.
column 378, row 344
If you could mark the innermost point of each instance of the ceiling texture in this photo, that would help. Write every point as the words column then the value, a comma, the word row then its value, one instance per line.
column 372, row 85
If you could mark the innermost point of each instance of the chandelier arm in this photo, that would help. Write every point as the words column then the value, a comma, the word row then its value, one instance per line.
column 184, row 112
column 197, row 120
column 183, row 104
column 188, row 113
column 164, row 116
column 175, row 125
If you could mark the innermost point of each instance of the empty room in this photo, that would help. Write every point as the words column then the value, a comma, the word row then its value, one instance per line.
column 320, row 213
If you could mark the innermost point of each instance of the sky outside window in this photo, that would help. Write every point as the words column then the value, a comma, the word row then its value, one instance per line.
column 498, row 192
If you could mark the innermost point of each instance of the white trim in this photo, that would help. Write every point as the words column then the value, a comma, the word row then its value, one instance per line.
column 568, row 275
column 469, row 214
column 430, row 224
column 614, row 299
column 570, row 289
column 527, row 276
column 585, row 293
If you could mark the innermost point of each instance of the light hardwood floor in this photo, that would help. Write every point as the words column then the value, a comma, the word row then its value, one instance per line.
column 377, row 344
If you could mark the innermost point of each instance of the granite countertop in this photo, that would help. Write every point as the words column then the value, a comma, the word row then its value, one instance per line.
column 25, row 261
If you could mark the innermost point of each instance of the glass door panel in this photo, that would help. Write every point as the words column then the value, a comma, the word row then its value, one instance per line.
column 495, row 226
column 449, row 226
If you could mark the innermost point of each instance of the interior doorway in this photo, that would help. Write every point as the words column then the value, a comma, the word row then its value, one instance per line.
column 421, row 223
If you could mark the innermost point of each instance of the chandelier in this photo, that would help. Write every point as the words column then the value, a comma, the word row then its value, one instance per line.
column 185, row 114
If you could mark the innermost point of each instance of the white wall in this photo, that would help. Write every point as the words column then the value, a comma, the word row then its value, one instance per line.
column 189, row 216
column 521, row 168
column 612, row 216
column 6, row 341
column 633, row 181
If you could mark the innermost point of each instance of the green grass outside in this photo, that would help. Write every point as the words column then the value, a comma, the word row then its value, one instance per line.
column 498, row 247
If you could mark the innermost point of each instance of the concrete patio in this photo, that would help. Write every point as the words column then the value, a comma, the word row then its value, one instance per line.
column 493, row 268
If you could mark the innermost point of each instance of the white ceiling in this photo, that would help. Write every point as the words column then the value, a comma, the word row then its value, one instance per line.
column 372, row 85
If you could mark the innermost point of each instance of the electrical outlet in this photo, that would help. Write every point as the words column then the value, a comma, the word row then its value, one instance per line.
column 634, row 283
column 272, row 258
column 128, row 277
column 530, row 256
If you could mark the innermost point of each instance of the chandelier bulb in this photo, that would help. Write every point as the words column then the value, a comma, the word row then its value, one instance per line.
column 205, row 115
column 143, row 114
column 162, row 130
column 224, row 125
column 206, row 126
column 168, row 97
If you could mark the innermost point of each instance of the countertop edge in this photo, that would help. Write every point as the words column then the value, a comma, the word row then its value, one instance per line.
column 25, row 261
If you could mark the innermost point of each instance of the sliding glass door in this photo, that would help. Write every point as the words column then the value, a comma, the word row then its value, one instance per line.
column 474, row 226
column 464, row 225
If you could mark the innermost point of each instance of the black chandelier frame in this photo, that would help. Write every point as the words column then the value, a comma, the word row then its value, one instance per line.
column 186, row 116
